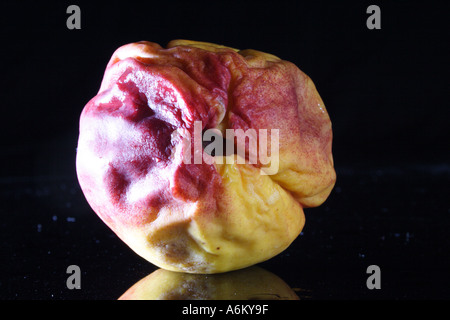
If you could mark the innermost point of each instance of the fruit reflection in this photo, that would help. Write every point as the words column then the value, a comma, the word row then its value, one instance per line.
column 252, row 283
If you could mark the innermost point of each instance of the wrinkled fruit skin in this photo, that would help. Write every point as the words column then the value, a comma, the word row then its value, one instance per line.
column 202, row 218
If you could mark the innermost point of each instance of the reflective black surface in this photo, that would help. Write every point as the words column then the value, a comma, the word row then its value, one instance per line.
column 385, row 90
column 395, row 218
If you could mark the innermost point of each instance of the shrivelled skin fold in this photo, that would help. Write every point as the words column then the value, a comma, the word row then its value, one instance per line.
column 206, row 217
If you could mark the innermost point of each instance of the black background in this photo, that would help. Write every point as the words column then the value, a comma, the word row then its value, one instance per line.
column 385, row 92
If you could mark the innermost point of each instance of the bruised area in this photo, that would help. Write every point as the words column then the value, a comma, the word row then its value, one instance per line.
column 133, row 141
